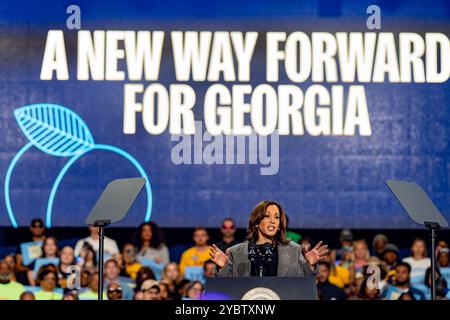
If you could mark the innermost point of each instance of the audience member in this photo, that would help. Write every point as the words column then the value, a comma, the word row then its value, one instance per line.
column 48, row 281
column 369, row 292
column 27, row 295
column 390, row 255
column 346, row 238
column 131, row 265
column 112, row 273
column 227, row 229
column 110, row 245
column 339, row 275
column 401, row 283
column 11, row 261
column 92, row 292
column 406, row 296
column 171, row 275
column 71, row 295
column 151, row 290
column 150, row 243
column 9, row 289
column 325, row 289
column 37, row 230
column 84, row 278
column 442, row 292
column 87, row 258
column 67, row 260
column 209, row 269
column 199, row 253
column 49, row 250
column 194, row 290
column 114, row 291
column 145, row 273
column 443, row 260
column 165, row 293
column 182, row 288
column 379, row 243
column 354, row 290
column 171, row 272
column 360, row 257
column 419, row 263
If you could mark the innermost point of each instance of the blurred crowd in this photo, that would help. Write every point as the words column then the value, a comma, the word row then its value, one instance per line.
column 142, row 269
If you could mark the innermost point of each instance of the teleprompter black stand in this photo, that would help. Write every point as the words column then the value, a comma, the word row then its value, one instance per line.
column 422, row 211
column 111, row 207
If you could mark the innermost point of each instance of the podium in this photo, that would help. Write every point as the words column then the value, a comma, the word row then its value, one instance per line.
column 261, row 288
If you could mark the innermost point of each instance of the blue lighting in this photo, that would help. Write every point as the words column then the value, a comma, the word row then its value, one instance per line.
column 58, row 131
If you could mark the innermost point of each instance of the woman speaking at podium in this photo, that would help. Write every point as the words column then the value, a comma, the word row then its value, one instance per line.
column 267, row 252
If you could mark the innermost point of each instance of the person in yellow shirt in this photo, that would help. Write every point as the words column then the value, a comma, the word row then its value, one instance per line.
column 92, row 292
column 339, row 275
column 132, row 266
column 197, row 255
column 9, row 289
column 48, row 280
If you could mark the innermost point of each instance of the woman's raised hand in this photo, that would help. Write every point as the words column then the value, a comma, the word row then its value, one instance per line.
column 316, row 254
column 218, row 256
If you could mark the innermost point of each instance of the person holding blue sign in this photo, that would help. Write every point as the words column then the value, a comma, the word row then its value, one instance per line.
column 50, row 254
column 31, row 250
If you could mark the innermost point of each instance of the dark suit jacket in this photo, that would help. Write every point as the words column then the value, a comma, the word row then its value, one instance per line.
column 291, row 262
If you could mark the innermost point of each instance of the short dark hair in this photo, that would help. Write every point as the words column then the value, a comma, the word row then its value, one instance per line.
column 182, row 283
column 208, row 262
column 193, row 283
column 407, row 294
column 38, row 221
column 46, row 272
column 228, row 219
column 200, row 229
column 326, row 264
column 404, row 264
column 112, row 261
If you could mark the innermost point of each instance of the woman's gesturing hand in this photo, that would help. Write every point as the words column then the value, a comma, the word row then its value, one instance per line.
column 316, row 254
column 218, row 256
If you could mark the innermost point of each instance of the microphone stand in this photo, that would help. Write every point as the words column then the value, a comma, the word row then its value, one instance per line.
column 101, row 224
